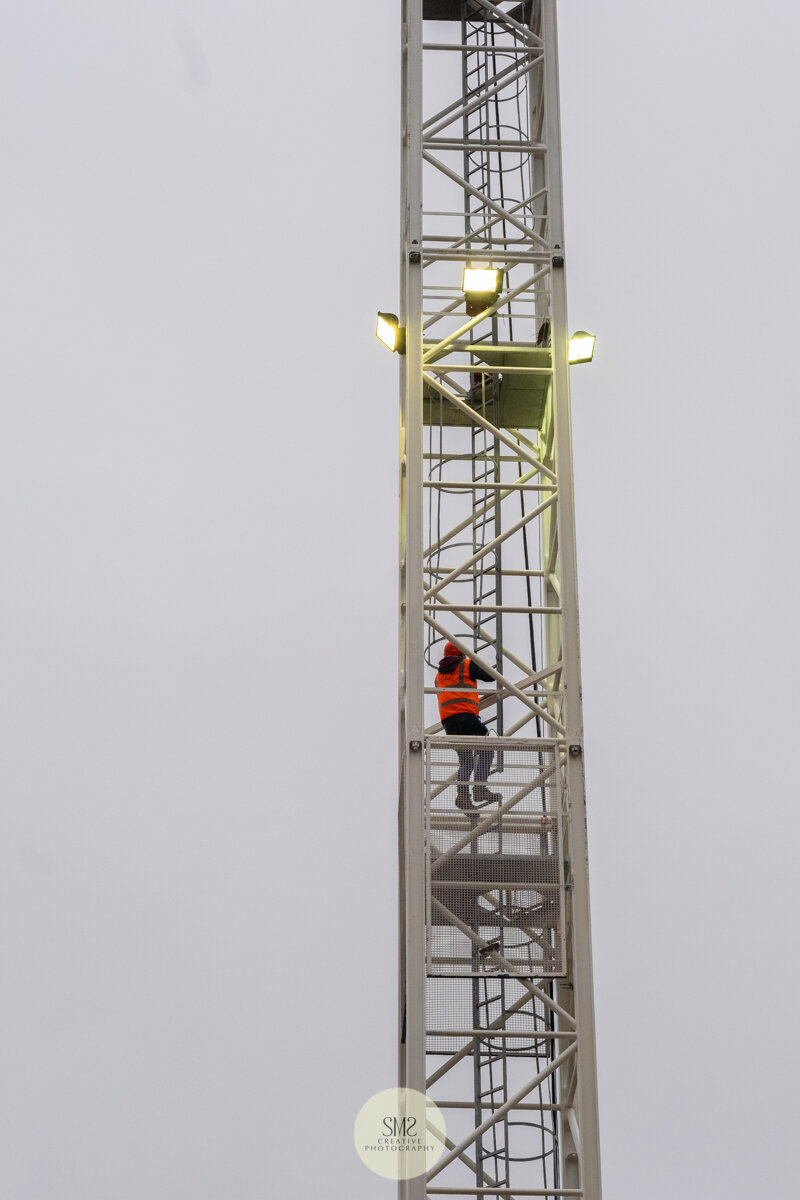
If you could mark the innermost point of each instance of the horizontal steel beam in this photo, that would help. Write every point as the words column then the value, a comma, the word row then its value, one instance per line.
column 531, row 1035
column 445, row 368
column 526, row 1106
column 483, row 570
column 489, row 885
column 494, row 608
column 489, row 487
column 498, row 49
column 498, row 145
column 484, row 1191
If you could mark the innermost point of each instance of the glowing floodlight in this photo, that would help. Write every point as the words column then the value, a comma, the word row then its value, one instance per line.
column 481, row 283
column 389, row 332
column 581, row 347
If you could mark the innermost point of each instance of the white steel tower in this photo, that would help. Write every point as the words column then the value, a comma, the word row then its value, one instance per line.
column 496, row 1006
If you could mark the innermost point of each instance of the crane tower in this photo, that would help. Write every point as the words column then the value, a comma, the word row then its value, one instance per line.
column 496, row 1005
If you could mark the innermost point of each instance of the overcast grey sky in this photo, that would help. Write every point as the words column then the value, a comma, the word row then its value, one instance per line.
column 199, row 205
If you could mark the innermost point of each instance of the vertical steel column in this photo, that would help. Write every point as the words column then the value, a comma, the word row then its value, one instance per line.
column 587, row 1155
column 412, row 729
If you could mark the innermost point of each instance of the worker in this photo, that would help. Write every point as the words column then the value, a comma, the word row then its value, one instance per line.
column 458, row 708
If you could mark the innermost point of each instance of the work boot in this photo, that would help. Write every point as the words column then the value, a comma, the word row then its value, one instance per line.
column 462, row 798
column 484, row 796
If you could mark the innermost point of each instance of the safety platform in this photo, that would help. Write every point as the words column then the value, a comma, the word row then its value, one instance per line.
column 453, row 10
column 495, row 874
column 512, row 397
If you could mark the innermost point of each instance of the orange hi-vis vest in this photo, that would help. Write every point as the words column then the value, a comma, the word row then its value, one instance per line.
column 452, row 702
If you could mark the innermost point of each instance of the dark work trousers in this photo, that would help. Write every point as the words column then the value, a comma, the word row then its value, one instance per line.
column 468, row 725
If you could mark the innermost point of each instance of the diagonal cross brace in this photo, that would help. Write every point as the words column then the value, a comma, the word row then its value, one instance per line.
column 567, row 1020
column 469, row 1162
column 458, row 109
column 490, row 546
column 504, row 18
column 486, row 201
column 520, row 451
column 538, row 1079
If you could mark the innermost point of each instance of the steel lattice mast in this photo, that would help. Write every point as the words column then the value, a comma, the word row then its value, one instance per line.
column 496, row 1005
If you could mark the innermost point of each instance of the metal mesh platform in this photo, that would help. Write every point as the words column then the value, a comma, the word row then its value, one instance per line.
column 495, row 874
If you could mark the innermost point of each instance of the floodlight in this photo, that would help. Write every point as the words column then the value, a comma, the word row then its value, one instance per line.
column 581, row 347
column 481, row 281
column 389, row 331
